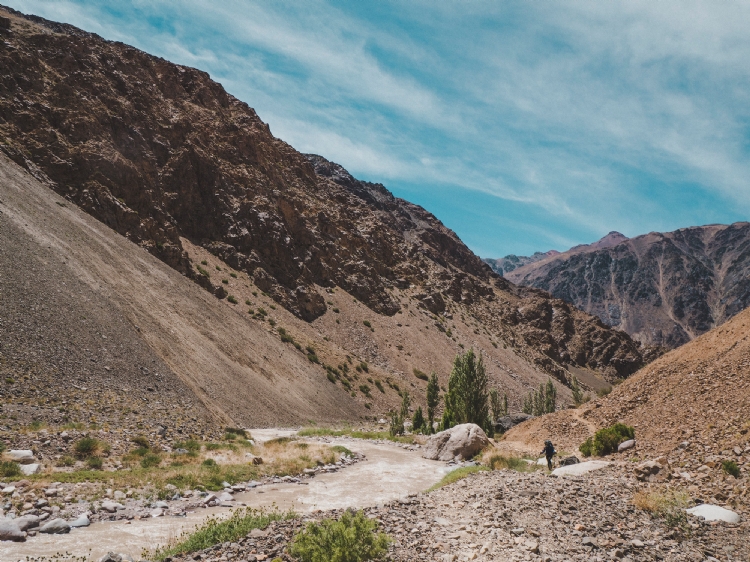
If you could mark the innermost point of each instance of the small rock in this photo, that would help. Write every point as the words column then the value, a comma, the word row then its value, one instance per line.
column 29, row 469
column 589, row 541
column 111, row 507
column 81, row 521
column 625, row 445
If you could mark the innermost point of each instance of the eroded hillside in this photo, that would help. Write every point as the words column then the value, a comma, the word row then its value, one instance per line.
column 165, row 157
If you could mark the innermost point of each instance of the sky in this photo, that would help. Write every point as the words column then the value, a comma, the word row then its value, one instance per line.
column 523, row 126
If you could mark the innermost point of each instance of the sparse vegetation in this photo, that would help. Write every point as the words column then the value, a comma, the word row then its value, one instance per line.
column 150, row 460
column 602, row 392
column 353, row 538
column 496, row 462
column 731, row 468
column 328, row 432
column 420, row 374
column 94, row 463
column 203, row 271
column 606, row 440
column 87, row 447
column 499, row 408
column 232, row 299
column 379, row 386
column 216, row 531
column 398, row 418
column 141, row 441
column 458, row 474
column 233, row 274
column 10, row 469
column 418, row 424
column 669, row 506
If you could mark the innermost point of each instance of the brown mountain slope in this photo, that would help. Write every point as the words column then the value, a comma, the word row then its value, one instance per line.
column 691, row 406
column 167, row 158
column 663, row 289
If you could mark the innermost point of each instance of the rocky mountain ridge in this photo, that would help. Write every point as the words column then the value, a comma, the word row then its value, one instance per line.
column 165, row 157
column 664, row 289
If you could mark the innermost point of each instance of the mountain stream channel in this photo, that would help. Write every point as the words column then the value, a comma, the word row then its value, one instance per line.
column 389, row 472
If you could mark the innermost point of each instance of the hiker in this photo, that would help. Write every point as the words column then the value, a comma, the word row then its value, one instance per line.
column 548, row 451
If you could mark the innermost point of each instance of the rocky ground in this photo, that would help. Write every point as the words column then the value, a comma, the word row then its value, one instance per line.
column 507, row 515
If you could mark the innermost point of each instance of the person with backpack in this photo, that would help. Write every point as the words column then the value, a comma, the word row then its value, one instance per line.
column 549, row 451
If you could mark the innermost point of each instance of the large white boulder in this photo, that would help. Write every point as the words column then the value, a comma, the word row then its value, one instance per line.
column 462, row 441
column 21, row 456
column 711, row 512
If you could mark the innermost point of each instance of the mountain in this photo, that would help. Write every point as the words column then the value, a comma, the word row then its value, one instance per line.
column 664, row 289
column 315, row 285
column 690, row 406
column 503, row 266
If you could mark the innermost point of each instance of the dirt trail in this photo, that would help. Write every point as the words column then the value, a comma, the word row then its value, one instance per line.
column 389, row 472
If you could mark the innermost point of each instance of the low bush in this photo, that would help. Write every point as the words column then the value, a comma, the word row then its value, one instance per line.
column 150, row 460
column 379, row 386
column 606, row 440
column 66, row 461
column 191, row 445
column 10, row 469
column 496, row 462
column 232, row 299
column 421, row 375
column 210, row 463
column 341, row 449
column 353, row 538
column 94, row 463
column 87, row 447
column 331, row 377
column 669, row 505
column 731, row 468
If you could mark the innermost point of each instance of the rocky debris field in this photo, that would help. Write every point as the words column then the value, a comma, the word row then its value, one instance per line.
column 506, row 515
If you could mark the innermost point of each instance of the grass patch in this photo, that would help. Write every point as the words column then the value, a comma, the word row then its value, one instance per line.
column 731, row 468
column 215, row 531
column 669, row 506
column 421, row 375
column 88, row 447
column 342, row 450
column 458, row 474
column 497, row 462
column 326, row 432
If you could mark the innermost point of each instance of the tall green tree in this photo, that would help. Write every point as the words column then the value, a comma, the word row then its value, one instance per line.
column 433, row 397
column 495, row 405
column 467, row 399
column 542, row 401
column 577, row 392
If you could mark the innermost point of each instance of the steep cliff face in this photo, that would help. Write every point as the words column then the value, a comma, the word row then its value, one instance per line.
column 164, row 156
column 662, row 288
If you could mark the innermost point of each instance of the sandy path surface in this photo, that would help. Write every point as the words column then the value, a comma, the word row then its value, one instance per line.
column 388, row 473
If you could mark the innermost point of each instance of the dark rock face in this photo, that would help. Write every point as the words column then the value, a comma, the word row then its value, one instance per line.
column 663, row 289
column 161, row 153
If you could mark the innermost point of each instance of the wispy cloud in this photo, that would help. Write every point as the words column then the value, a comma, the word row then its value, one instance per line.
column 552, row 123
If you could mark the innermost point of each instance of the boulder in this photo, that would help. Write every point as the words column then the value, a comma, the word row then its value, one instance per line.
column 21, row 456
column 82, row 521
column 625, row 445
column 55, row 527
column 27, row 522
column 462, row 441
column 226, row 497
column 111, row 507
column 711, row 512
column 651, row 471
column 10, row 531
column 579, row 468
column 29, row 469
column 507, row 422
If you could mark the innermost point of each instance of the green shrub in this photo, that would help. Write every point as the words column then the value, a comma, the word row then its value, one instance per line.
column 606, row 440
column 497, row 462
column 603, row 391
column 191, row 445
column 86, row 447
column 367, row 323
column 150, row 460
column 141, row 441
column 379, row 386
column 313, row 358
column 10, row 469
column 353, row 538
column 204, row 262
column 730, row 467
column 233, row 274
column 421, row 375
column 66, row 460
column 210, row 463
column 336, row 310
column 232, row 299
column 331, row 377
column 364, row 389
column 94, row 463
column 203, row 271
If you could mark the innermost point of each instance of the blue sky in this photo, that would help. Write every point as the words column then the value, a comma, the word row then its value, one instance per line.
column 523, row 126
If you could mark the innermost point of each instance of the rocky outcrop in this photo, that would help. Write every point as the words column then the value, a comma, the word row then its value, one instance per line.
column 664, row 289
column 459, row 442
